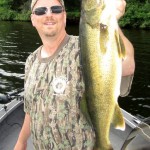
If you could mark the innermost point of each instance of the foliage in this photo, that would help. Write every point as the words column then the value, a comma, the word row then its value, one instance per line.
column 136, row 16
column 137, row 12
column 24, row 16
column 73, row 16
column 15, row 10
column 6, row 3
column 18, row 5
column 72, row 5
column 6, row 15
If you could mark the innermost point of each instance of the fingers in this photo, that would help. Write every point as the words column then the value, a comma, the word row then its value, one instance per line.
column 120, row 8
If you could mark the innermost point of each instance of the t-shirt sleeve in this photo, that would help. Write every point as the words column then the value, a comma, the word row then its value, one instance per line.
column 27, row 102
column 126, row 83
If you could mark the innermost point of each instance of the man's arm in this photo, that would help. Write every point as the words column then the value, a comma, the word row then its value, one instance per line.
column 24, row 134
column 128, row 64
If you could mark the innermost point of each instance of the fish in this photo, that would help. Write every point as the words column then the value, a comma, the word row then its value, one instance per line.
column 102, row 53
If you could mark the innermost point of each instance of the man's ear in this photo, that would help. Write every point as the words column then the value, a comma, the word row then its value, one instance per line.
column 65, row 17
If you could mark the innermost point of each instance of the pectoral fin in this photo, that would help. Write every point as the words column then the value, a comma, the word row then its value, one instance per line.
column 120, row 45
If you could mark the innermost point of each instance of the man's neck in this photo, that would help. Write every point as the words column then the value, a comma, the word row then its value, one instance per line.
column 50, row 45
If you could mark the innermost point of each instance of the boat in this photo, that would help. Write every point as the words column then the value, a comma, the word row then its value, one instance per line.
column 135, row 137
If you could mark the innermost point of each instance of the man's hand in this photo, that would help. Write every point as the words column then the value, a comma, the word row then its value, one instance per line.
column 120, row 8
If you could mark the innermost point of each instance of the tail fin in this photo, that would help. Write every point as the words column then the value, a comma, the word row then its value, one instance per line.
column 118, row 120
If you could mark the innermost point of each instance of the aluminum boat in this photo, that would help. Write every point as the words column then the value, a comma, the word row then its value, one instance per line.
column 135, row 137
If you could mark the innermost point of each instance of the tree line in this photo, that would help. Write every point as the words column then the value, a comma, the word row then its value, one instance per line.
column 137, row 12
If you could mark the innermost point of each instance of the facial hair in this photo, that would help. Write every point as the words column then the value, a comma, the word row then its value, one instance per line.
column 52, row 34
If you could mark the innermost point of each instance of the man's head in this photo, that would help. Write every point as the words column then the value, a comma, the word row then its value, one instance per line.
column 48, row 17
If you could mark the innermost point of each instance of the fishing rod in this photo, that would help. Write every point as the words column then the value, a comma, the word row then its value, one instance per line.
column 8, row 97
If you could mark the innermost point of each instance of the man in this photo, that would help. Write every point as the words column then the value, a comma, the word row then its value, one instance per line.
column 54, row 84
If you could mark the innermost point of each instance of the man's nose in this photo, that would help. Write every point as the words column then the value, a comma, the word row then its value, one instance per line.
column 49, row 12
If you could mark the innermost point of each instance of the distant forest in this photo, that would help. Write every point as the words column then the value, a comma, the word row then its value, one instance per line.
column 137, row 12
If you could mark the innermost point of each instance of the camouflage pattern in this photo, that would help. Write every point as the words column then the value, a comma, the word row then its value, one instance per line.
column 57, row 121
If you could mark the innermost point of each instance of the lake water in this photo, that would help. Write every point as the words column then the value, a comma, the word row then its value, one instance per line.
column 19, row 39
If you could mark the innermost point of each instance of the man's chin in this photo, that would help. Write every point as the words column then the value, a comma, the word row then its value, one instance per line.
column 52, row 34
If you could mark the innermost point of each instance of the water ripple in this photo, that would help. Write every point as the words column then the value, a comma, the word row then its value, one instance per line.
column 19, row 39
column 10, row 74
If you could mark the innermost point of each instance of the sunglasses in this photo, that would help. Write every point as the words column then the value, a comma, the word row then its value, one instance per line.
column 43, row 10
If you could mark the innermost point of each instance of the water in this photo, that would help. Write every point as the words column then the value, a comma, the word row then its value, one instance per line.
column 138, row 101
column 19, row 39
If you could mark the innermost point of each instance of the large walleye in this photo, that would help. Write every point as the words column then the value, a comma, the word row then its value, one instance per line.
column 101, row 55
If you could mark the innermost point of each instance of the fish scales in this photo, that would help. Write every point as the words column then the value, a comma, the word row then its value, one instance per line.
column 101, row 56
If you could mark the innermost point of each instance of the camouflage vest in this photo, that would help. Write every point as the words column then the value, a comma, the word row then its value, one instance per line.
column 53, row 90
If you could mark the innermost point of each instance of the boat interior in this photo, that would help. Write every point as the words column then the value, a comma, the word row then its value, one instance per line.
column 135, row 137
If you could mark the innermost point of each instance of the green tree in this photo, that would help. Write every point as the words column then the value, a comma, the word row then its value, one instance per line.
column 6, row 3
column 72, row 5
column 137, row 12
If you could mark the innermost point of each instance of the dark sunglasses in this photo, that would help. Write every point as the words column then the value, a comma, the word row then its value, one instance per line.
column 43, row 10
